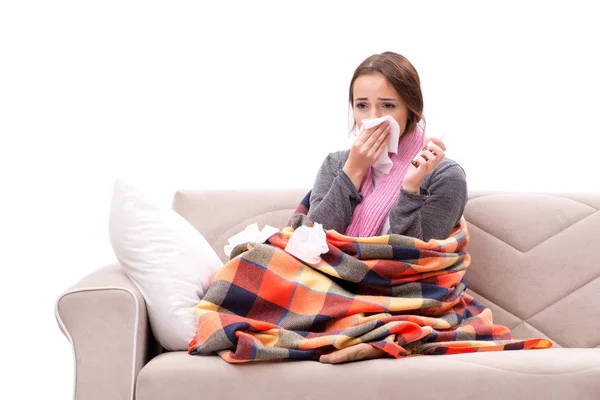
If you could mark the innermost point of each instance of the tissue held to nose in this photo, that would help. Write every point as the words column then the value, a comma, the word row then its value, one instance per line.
column 308, row 243
column 384, row 163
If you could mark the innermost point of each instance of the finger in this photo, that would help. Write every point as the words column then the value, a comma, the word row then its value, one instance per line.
column 333, row 357
column 337, row 356
column 325, row 359
column 439, row 142
column 362, row 353
column 381, row 129
column 379, row 145
column 372, row 148
column 428, row 155
column 435, row 149
column 371, row 352
column 419, row 161
column 382, row 147
column 352, row 353
column 367, row 133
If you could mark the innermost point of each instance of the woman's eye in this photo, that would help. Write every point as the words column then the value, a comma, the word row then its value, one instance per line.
column 388, row 105
column 360, row 105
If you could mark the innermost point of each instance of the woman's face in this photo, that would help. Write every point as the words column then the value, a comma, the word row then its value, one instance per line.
column 374, row 97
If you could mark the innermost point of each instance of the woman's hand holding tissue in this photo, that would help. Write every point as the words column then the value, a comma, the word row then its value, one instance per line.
column 429, row 158
column 365, row 150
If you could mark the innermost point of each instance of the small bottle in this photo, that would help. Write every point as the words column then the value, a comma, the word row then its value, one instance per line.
column 414, row 161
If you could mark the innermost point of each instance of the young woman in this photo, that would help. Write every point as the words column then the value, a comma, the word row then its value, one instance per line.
column 350, row 196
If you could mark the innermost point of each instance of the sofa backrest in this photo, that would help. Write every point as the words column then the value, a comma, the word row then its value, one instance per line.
column 535, row 257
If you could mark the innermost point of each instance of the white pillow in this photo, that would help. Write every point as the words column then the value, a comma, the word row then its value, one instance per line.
column 168, row 260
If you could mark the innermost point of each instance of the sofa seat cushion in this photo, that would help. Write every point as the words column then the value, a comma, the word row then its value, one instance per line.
column 556, row 373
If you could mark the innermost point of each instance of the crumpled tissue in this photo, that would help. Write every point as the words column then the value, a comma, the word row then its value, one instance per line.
column 384, row 163
column 250, row 234
column 308, row 243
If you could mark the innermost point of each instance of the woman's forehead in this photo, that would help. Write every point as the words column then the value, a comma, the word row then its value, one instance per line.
column 373, row 85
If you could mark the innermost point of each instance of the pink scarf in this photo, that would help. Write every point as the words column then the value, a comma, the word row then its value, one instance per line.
column 370, row 214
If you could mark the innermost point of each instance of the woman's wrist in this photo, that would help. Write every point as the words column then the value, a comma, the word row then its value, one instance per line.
column 355, row 175
column 411, row 188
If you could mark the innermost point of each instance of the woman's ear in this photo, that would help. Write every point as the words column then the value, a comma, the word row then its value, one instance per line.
column 411, row 122
column 407, row 125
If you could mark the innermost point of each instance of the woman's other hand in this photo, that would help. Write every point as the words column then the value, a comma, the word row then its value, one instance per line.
column 362, row 351
column 428, row 160
column 365, row 150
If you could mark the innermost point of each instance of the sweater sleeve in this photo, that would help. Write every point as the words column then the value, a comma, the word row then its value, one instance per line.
column 333, row 196
column 436, row 210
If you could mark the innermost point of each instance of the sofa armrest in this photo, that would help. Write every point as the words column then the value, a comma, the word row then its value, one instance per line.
column 104, row 317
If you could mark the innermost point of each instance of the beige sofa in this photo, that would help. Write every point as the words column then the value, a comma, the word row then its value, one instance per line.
column 535, row 263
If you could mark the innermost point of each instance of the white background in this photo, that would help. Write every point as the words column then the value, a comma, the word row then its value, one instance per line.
column 252, row 95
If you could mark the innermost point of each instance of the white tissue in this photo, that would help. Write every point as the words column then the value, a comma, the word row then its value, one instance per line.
column 384, row 163
column 250, row 234
column 308, row 243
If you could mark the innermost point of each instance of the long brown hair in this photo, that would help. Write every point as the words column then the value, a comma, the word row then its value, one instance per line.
column 402, row 75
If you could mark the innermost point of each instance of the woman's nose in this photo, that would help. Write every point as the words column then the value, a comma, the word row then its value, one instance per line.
column 375, row 113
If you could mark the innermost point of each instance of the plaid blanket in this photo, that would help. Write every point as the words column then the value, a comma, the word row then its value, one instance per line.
column 400, row 294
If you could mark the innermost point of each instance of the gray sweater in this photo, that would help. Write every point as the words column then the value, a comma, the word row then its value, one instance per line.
column 429, row 215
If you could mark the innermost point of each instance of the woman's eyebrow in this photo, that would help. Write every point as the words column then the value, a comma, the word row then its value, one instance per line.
column 380, row 98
